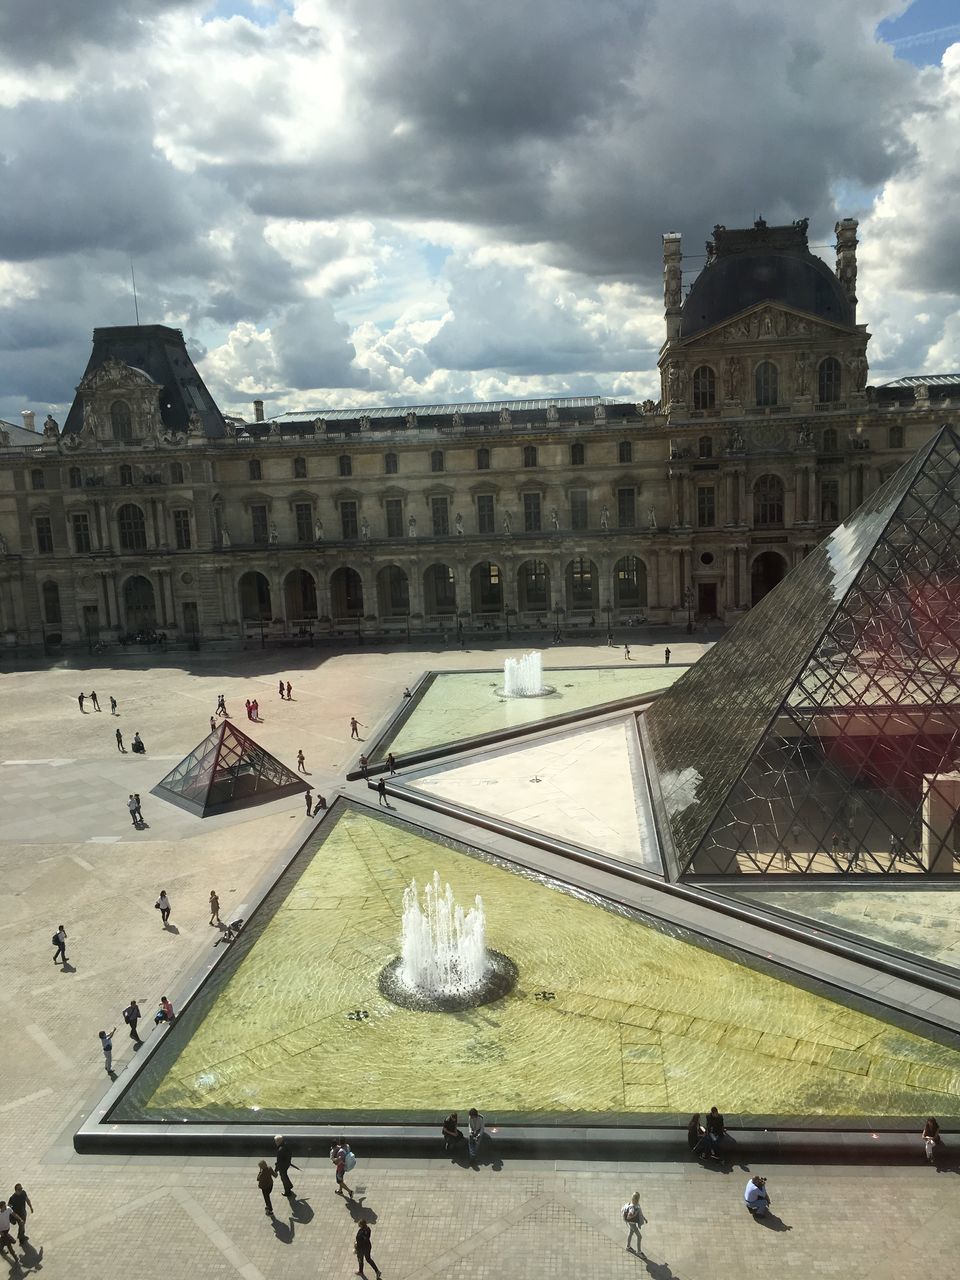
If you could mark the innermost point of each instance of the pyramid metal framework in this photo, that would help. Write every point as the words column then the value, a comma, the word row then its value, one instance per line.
column 822, row 735
column 227, row 771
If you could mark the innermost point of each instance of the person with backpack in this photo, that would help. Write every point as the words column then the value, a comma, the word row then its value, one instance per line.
column 59, row 941
column 633, row 1217
column 344, row 1160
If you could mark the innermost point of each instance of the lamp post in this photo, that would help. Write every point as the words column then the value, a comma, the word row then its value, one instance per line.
column 608, row 609
column 557, row 609
column 263, row 643
column 506, row 616
column 688, row 601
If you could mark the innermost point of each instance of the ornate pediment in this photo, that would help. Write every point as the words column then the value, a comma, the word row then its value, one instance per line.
column 768, row 323
column 114, row 373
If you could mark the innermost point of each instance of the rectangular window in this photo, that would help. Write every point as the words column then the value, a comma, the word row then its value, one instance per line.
column 706, row 506
column 303, row 512
column 829, row 500
column 485, row 513
column 578, row 509
column 531, row 513
column 626, row 508
column 258, row 523
column 91, row 621
column 254, row 469
column 440, row 512
column 349, row 526
column 181, row 530
column 44, row 535
column 81, row 532
column 394, row 509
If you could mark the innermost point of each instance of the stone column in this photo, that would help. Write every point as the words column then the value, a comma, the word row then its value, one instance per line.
column 672, row 283
column 742, row 582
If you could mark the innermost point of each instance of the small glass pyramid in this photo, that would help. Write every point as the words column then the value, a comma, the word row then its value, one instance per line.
column 822, row 735
column 228, row 770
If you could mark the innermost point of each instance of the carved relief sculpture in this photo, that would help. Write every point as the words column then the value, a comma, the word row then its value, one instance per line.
column 505, row 418
column 458, row 525
column 604, row 517
column 458, row 419
column 599, row 413
column 672, row 289
column 364, row 422
column 553, row 413
column 411, row 420
column 555, row 519
column 274, row 535
column 506, row 523
column 412, row 527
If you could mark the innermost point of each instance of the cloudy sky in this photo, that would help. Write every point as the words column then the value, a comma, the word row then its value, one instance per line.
column 372, row 202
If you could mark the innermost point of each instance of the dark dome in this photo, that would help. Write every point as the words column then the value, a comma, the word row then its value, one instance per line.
column 731, row 283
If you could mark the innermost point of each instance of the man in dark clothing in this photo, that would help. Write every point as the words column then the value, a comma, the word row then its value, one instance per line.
column 284, row 1161
column 113, row 705
column 93, row 699
column 131, row 1016
column 715, row 1131
column 120, row 746
column 666, row 657
column 19, row 1202
column 309, row 799
column 382, row 792
column 80, row 698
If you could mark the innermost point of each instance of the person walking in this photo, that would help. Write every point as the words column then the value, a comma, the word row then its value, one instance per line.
column 93, row 699
column 338, row 1154
column 132, row 806
column 80, row 698
column 626, row 652
column 163, row 906
column 281, row 688
column 300, row 762
column 666, row 656
column 362, row 1247
column 214, row 907
column 20, row 1202
column 60, row 942
column 113, row 705
column 7, row 1217
column 265, row 1177
column 364, row 762
column 474, row 1133
column 106, row 1044
column 131, row 1016
column 221, row 705
column 391, row 763
column 289, row 690
column 254, row 710
column 136, row 801
column 755, row 1196
column 120, row 747
column 354, row 728
column 284, row 1162
column 249, row 705
column 382, row 792
column 633, row 1217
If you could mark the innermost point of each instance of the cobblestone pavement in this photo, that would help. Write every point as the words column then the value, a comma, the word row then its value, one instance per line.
column 108, row 1217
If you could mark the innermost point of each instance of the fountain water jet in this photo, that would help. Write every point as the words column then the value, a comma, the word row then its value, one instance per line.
column 523, row 677
column 444, row 963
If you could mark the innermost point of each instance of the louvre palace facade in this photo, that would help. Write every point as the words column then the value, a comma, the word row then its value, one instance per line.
column 152, row 510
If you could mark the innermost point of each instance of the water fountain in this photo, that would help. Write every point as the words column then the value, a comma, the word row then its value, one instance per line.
column 523, row 677
column 444, row 962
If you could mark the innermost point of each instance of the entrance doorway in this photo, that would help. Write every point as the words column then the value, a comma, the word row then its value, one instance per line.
column 767, row 570
column 707, row 599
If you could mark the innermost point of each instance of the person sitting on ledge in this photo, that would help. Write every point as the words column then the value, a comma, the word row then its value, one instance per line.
column 451, row 1133
column 407, row 693
column 137, row 745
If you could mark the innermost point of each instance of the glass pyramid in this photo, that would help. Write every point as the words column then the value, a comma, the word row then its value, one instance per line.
column 228, row 770
column 822, row 735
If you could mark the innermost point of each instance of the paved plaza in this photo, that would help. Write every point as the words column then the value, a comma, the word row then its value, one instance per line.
column 68, row 853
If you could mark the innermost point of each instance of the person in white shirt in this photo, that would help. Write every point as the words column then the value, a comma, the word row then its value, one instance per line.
column 474, row 1132
column 756, row 1198
column 106, row 1044
column 633, row 1217
column 8, row 1216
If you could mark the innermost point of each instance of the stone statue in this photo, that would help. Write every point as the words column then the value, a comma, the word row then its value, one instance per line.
column 194, row 423
column 318, row 530
column 671, row 286
column 553, row 413
column 458, row 525
column 599, row 413
column 4, row 437
column 732, row 378
column 505, row 417
column 648, row 406
column 800, row 366
column 412, row 527
column 364, row 529
column 767, row 329
column 738, row 332
column 51, row 427
column 457, row 418
column 364, row 422
column 411, row 419
column 274, row 534
column 506, row 523
column 675, row 382
column 859, row 367
column 555, row 519
column 4, row 549
column 224, row 536
column 804, row 436
column 604, row 517
column 652, row 518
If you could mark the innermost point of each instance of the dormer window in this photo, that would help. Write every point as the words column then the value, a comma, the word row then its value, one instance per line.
column 121, row 422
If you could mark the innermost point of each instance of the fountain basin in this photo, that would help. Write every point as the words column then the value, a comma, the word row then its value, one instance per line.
column 498, row 981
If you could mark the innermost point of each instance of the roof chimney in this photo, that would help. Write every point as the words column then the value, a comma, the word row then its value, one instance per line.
column 258, row 410
column 29, row 419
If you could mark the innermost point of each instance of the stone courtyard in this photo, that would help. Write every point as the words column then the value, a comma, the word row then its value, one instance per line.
column 68, row 853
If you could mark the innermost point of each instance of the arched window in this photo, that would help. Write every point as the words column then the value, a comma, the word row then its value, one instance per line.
column 76, row 478
column 51, row 604
column 895, row 437
column 132, row 528
column 577, row 455
column 704, row 388
column 126, row 473
column 176, row 473
column 529, row 455
column 767, row 383
column 36, row 478
column 254, row 470
column 121, row 422
column 829, row 440
column 625, row 451
column 483, row 459
column 768, row 501
column 705, row 447
column 436, row 460
column 299, row 468
column 345, row 464
column 391, row 464
column 829, row 375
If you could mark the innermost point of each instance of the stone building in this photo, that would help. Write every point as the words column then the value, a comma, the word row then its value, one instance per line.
column 152, row 510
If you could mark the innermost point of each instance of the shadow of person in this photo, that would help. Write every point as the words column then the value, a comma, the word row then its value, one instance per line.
column 171, row 928
column 284, row 1231
column 359, row 1210
column 67, row 967
column 301, row 1210
column 658, row 1270
column 772, row 1222
column 32, row 1259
